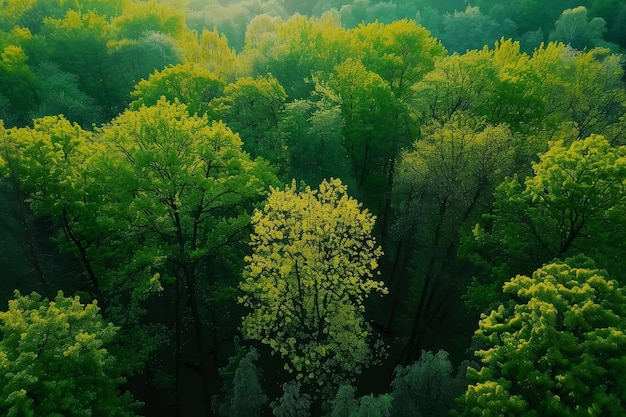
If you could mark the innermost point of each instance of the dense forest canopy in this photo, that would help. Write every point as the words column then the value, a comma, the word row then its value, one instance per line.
column 312, row 208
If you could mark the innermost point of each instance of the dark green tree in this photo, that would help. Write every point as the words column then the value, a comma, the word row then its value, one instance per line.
column 245, row 396
column 293, row 403
column 427, row 388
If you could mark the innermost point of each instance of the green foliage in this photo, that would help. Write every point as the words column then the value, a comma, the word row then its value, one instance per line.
column 312, row 267
column 294, row 50
column 426, row 388
column 140, row 17
column 556, row 351
column 314, row 137
column 59, row 94
column 19, row 82
column 246, row 397
column 211, row 51
column 54, row 360
column 253, row 108
column 372, row 115
column 574, row 28
column 573, row 204
column 231, row 18
column 498, row 84
column 471, row 30
column 345, row 405
column 180, row 185
column 401, row 53
column 292, row 403
column 190, row 84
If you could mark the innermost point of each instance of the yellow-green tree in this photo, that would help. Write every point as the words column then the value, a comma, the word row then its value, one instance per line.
column 312, row 266
column 190, row 84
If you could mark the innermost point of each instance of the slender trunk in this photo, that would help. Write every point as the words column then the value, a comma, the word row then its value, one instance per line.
column 388, row 197
column 82, row 252
column 397, row 285
column 29, row 238
column 413, row 345
column 188, row 269
column 197, row 322
column 177, row 348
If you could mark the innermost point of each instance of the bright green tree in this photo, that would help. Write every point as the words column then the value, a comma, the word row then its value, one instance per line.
column 555, row 350
column 496, row 83
column 311, row 269
column 47, row 168
column 296, row 49
column 211, row 51
column 574, row 203
column 55, row 360
column 401, row 53
column 180, row 190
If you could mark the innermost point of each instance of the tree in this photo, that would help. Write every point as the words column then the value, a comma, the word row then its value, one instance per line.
column 314, row 137
column 427, row 388
column 470, row 29
column 496, row 83
column 574, row 28
column 311, row 269
column 345, row 405
column 246, row 396
column 292, row 403
column 190, row 84
column 253, row 108
column 295, row 50
column 555, row 349
column 443, row 185
column 19, row 84
column 77, row 43
column 59, row 93
column 140, row 17
column 180, row 190
column 211, row 51
column 401, row 53
column 373, row 129
column 47, row 168
column 55, row 360
column 573, row 204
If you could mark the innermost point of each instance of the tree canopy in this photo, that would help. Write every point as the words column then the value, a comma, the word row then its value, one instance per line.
column 554, row 349
column 312, row 266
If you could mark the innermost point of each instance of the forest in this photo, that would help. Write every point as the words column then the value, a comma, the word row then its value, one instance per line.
column 324, row 208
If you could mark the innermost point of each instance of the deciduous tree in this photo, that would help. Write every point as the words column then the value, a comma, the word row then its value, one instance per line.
column 55, row 359
column 555, row 349
column 573, row 204
column 312, row 266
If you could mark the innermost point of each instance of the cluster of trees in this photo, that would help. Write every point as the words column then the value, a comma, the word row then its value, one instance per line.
column 347, row 197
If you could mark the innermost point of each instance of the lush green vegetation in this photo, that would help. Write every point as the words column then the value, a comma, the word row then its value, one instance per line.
column 312, row 208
